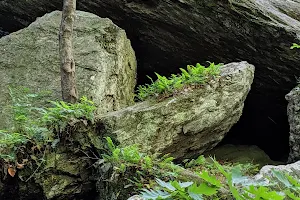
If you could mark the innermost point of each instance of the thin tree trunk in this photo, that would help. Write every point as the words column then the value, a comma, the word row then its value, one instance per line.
column 67, row 69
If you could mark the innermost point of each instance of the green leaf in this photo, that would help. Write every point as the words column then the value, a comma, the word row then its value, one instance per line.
column 295, row 46
column 201, row 160
column 110, row 144
column 165, row 185
column 195, row 196
column 210, row 179
column 177, row 185
column 291, row 195
column 154, row 194
column 185, row 184
column 185, row 74
column 203, row 188
column 295, row 182
column 282, row 178
column 116, row 153
column 264, row 193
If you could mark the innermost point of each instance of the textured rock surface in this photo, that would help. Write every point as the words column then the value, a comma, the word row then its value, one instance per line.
column 293, row 168
column 105, row 61
column 293, row 111
column 187, row 124
column 240, row 154
column 168, row 34
column 60, row 173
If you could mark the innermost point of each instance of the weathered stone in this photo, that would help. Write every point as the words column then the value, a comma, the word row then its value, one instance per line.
column 105, row 61
column 189, row 123
column 293, row 111
column 66, row 173
column 240, row 154
column 168, row 34
column 293, row 169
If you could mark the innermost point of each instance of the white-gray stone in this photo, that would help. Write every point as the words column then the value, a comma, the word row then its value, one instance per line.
column 266, row 171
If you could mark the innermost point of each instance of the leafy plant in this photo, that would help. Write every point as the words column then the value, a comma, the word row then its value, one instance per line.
column 182, row 190
column 130, row 157
column 37, row 126
column 9, row 143
column 192, row 76
column 61, row 113
column 160, row 178
column 295, row 46
column 240, row 187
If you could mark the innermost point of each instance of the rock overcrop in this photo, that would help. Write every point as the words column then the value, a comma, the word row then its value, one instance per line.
column 187, row 124
column 293, row 111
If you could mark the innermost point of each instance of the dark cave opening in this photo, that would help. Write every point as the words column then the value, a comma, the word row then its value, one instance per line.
column 257, row 119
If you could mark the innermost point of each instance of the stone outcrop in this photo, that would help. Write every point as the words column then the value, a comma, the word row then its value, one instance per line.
column 293, row 111
column 168, row 34
column 189, row 123
column 292, row 169
column 105, row 61
column 240, row 154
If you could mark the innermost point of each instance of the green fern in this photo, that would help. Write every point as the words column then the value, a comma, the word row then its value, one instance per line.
column 35, row 124
column 295, row 46
column 167, row 86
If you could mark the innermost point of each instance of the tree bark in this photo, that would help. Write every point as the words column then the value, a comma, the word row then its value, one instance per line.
column 67, row 69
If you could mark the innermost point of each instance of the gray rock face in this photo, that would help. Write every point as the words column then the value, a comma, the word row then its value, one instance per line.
column 168, row 34
column 290, row 168
column 189, row 123
column 105, row 61
column 293, row 111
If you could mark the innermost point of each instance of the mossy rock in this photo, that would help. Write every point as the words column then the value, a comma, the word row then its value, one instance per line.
column 105, row 62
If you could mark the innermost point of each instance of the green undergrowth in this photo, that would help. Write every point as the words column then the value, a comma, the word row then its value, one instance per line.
column 193, row 76
column 37, row 126
column 196, row 179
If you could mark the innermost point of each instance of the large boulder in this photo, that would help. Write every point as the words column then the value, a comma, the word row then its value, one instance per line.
column 186, row 124
column 293, row 111
column 105, row 61
column 168, row 34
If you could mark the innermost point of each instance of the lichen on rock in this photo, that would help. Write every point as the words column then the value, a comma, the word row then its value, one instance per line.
column 105, row 62
column 185, row 124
